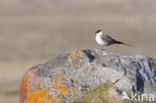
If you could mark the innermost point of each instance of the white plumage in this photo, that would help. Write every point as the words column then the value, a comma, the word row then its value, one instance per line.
column 99, row 39
column 106, row 40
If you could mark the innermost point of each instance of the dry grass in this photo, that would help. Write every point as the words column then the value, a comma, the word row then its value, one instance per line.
column 101, row 94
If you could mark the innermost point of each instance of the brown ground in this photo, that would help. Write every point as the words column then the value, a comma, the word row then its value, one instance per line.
column 32, row 32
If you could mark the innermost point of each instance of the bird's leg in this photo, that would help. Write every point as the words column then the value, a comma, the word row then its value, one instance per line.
column 104, row 48
column 104, row 51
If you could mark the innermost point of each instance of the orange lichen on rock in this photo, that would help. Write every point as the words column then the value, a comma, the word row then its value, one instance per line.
column 59, row 75
column 74, row 89
column 61, row 88
column 30, row 93
column 38, row 86
column 23, row 92
column 38, row 96
column 57, row 85
column 42, row 96
column 55, row 98
column 76, row 53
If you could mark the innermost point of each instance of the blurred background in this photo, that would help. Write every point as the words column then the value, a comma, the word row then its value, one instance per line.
column 34, row 31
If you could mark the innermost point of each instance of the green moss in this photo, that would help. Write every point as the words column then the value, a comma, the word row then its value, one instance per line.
column 95, row 95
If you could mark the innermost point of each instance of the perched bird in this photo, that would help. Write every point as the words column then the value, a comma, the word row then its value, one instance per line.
column 106, row 40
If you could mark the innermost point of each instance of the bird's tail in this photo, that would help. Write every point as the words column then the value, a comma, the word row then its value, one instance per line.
column 119, row 42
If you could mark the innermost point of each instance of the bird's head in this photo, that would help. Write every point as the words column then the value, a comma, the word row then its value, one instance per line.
column 98, row 32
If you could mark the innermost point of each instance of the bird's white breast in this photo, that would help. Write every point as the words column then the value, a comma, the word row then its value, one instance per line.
column 99, row 39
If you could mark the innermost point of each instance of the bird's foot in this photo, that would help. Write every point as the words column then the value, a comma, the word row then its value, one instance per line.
column 103, row 49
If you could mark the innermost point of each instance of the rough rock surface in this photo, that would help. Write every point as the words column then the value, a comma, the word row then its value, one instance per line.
column 73, row 73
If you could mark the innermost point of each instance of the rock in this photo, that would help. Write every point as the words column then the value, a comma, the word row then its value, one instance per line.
column 74, row 73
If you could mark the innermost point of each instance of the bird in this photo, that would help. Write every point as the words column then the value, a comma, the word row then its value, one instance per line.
column 106, row 40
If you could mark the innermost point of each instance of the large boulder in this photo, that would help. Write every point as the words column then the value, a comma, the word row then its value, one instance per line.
column 74, row 73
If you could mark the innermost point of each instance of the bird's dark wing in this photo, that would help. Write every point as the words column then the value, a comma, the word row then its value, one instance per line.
column 111, row 40
column 107, row 38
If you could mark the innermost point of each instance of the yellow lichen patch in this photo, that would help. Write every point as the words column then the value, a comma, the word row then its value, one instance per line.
column 55, row 98
column 38, row 96
column 76, row 53
column 44, row 96
column 57, row 85
column 38, row 86
column 61, row 88
column 29, row 76
column 23, row 92
column 60, row 99
column 65, row 79
column 28, row 82
column 34, row 94
column 59, row 75
column 74, row 89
